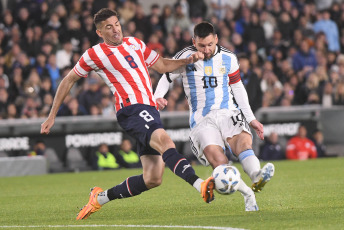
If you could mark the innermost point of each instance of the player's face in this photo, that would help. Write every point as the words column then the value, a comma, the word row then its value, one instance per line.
column 206, row 45
column 111, row 31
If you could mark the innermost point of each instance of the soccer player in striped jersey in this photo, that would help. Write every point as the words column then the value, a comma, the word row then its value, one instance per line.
column 123, row 64
column 220, row 114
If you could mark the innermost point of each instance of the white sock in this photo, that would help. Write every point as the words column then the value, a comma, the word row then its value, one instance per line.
column 244, row 189
column 197, row 184
column 103, row 198
column 250, row 164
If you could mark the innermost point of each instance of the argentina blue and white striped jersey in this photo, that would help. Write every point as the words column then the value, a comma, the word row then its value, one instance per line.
column 207, row 83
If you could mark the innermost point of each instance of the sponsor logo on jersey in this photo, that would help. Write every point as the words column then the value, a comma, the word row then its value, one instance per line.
column 190, row 68
column 208, row 70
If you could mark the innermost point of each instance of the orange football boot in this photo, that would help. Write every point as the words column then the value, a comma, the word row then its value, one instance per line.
column 207, row 189
column 92, row 205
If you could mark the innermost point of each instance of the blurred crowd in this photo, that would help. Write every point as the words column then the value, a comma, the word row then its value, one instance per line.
column 290, row 52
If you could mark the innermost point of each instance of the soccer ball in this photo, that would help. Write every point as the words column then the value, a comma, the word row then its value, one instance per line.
column 227, row 178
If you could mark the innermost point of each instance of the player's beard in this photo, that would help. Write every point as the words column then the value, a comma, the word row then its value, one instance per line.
column 116, row 41
column 208, row 58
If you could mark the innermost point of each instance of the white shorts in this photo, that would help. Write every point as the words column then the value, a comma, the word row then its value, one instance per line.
column 214, row 129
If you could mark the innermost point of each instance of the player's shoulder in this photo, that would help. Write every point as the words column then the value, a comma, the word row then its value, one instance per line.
column 185, row 52
column 226, row 51
column 132, row 40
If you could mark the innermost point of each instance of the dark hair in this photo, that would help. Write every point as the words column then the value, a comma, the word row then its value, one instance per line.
column 203, row 29
column 104, row 14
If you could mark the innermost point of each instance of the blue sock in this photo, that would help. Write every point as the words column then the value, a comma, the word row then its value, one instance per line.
column 132, row 186
column 179, row 165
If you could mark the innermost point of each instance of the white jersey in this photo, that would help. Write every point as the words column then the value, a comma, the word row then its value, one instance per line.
column 207, row 83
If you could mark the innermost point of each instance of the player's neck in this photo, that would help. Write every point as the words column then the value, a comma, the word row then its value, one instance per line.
column 113, row 44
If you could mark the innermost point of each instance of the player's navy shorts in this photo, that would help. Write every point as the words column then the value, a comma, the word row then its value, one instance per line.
column 140, row 121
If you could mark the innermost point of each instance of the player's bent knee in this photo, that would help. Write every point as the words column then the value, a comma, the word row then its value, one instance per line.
column 153, row 182
column 161, row 141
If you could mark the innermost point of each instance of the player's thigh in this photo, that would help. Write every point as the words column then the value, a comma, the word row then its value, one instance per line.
column 235, row 130
column 240, row 142
column 161, row 141
column 207, row 137
column 207, row 133
column 140, row 121
column 153, row 168
column 215, row 155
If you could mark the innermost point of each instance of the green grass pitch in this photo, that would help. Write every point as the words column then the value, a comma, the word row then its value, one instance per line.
column 301, row 195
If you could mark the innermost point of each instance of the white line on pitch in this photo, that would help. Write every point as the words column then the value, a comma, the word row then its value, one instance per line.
column 124, row 226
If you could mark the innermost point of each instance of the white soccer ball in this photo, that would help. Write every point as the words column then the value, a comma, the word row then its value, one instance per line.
column 227, row 178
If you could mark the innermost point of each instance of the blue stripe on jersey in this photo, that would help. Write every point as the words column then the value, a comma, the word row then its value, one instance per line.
column 209, row 91
column 226, row 61
column 193, row 93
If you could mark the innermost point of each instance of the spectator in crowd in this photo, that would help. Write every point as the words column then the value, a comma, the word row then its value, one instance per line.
column 304, row 60
column 91, row 96
column 328, row 97
column 251, row 83
column 318, row 139
column 30, row 108
column 295, row 38
column 220, row 7
column 272, row 149
column 53, row 71
column 330, row 28
column 11, row 112
column 178, row 19
column 3, row 102
column 339, row 94
column 72, row 108
column 64, row 55
column 38, row 149
column 105, row 159
column 300, row 147
column 126, row 156
column 254, row 32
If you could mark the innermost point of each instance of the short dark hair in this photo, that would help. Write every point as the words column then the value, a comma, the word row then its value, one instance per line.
column 204, row 29
column 104, row 14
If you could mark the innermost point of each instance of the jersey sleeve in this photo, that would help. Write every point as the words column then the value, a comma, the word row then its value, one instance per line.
column 85, row 64
column 164, row 84
column 149, row 55
column 234, row 72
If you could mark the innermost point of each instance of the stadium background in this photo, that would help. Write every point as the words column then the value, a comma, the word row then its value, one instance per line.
column 290, row 55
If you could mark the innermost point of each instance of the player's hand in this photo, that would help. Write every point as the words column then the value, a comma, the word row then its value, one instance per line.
column 258, row 127
column 162, row 102
column 195, row 57
column 46, row 126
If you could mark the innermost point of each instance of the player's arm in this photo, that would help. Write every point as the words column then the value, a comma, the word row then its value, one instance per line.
column 62, row 91
column 164, row 65
column 241, row 98
column 162, row 88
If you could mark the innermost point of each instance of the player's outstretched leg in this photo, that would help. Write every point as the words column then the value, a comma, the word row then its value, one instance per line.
column 182, row 168
column 92, row 206
column 249, row 197
column 132, row 186
column 264, row 176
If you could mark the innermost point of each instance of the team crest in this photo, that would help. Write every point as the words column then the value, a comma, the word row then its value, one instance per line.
column 208, row 70
column 134, row 47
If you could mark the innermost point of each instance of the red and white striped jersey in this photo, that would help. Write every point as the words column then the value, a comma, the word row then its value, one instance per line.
column 124, row 69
